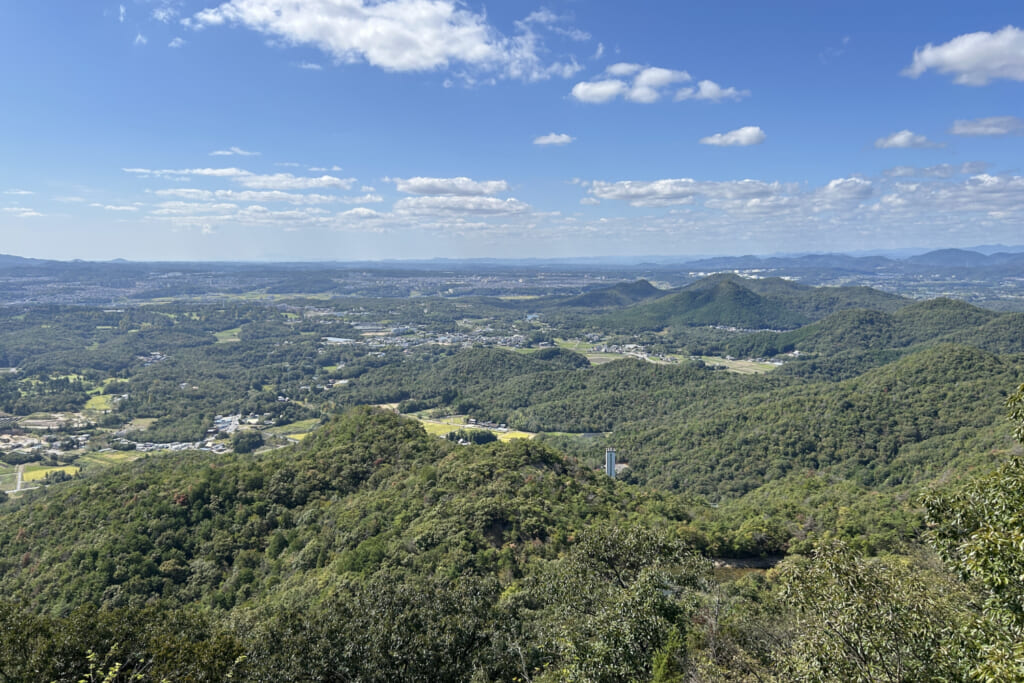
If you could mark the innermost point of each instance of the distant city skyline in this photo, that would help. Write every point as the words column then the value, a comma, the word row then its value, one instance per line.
column 349, row 130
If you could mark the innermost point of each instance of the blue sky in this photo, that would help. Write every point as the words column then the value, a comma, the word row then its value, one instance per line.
column 349, row 129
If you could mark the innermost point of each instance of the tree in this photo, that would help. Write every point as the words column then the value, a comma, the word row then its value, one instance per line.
column 617, row 605
column 978, row 530
column 246, row 441
column 871, row 619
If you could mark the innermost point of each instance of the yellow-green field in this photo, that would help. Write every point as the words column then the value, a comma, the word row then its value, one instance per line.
column 743, row 367
column 296, row 430
column 8, row 478
column 455, row 422
column 37, row 472
column 101, row 402
column 110, row 457
column 225, row 336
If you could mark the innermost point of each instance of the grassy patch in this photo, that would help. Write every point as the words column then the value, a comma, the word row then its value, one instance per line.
column 743, row 367
column 575, row 345
column 456, row 422
column 226, row 336
column 140, row 423
column 100, row 402
column 38, row 472
column 296, row 430
column 110, row 457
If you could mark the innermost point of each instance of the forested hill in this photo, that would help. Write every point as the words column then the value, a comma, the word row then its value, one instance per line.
column 770, row 303
column 371, row 552
column 622, row 294
column 368, row 490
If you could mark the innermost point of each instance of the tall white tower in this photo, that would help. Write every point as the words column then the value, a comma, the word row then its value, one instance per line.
column 609, row 462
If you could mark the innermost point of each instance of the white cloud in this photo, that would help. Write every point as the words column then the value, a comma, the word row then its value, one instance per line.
column 165, row 14
column 310, row 66
column 461, row 186
column 843, row 191
column 992, row 125
column 273, row 181
column 165, row 173
column 323, row 169
column 741, row 137
column 646, row 86
column 599, row 52
column 974, row 58
column 121, row 13
column 937, row 171
column 712, row 92
column 19, row 192
column 905, row 139
column 395, row 35
column 140, row 39
column 265, row 196
column 553, row 139
column 623, row 69
column 677, row 191
column 287, row 181
column 233, row 151
column 361, row 212
column 176, row 42
column 111, row 207
column 648, row 83
column 597, row 92
column 448, row 205
column 21, row 212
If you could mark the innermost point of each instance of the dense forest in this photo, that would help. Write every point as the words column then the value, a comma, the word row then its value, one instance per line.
column 867, row 464
column 375, row 552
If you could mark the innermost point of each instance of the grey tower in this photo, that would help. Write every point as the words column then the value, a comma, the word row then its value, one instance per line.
column 609, row 462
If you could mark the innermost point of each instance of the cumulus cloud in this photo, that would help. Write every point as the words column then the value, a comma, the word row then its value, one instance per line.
column 121, row 13
column 461, row 186
column 974, row 58
column 646, row 85
column 140, row 39
column 741, row 137
column 233, row 151
column 905, row 139
column 395, row 35
column 553, row 139
column 992, row 125
column 361, row 212
column 448, row 205
column 176, row 42
column 310, row 66
column 597, row 92
column 712, row 92
column 676, row 191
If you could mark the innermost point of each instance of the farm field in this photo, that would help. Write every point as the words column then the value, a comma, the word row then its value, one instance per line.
column 38, row 472
column 296, row 430
column 743, row 367
column 455, row 422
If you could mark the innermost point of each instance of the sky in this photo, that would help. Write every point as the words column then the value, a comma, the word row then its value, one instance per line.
column 407, row 129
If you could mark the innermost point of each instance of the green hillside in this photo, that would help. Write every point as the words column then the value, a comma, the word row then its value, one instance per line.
column 730, row 300
column 616, row 296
